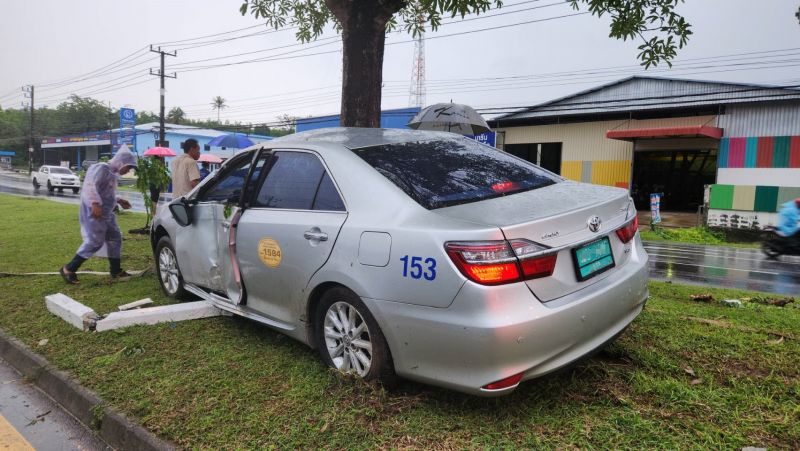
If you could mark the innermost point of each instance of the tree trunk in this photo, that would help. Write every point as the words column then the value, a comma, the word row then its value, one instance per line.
column 363, row 36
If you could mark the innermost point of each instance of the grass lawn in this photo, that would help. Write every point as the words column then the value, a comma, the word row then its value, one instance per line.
column 685, row 375
column 695, row 235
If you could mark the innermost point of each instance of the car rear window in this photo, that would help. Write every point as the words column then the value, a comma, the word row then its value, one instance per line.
column 443, row 173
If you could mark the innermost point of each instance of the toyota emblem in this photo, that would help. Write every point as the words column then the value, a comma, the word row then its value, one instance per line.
column 595, row 223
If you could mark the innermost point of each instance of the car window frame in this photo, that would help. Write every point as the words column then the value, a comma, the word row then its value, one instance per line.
column 266, row 173
column 223, row 173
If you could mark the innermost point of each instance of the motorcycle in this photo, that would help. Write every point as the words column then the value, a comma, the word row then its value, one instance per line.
column 776, row 245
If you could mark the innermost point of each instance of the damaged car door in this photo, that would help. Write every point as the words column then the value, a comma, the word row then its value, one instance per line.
column 197, row 245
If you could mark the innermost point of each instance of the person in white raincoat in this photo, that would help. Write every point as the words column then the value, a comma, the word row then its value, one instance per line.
column 98, row 222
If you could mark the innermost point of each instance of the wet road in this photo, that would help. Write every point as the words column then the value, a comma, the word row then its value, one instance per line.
column 31, row 420
column 21, row 185
column 721, row 266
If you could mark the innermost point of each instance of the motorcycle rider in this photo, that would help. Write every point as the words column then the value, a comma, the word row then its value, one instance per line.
column 789, row 220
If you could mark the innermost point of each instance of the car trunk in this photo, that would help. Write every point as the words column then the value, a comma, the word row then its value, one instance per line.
column 557, row 216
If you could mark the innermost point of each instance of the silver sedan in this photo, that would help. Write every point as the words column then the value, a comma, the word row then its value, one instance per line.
column 404, row 253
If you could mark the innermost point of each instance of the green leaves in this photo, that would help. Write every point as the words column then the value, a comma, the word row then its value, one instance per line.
column 308, row 16
column 150, row 171
column 662, row 30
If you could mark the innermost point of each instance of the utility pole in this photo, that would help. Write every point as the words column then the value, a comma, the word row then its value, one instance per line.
column 161, row 132
column 29, row 92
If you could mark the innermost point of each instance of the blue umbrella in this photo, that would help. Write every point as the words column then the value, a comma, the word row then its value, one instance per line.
column 233, row 141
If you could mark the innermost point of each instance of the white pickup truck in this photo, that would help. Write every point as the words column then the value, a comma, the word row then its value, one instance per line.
column 56, row 177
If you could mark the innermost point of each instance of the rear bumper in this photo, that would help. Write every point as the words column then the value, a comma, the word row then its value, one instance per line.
column 490, row 333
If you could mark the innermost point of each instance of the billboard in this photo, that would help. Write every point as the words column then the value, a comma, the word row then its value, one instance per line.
column 127, row 130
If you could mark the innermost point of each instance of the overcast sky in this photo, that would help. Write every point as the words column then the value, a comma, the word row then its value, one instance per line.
column 47, row 41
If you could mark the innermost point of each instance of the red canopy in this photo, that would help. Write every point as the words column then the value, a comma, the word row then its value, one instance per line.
column 695, row 131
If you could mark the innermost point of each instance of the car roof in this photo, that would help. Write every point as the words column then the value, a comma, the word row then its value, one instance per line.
column 355, row 137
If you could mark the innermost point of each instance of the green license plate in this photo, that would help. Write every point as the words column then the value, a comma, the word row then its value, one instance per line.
column 593, row 258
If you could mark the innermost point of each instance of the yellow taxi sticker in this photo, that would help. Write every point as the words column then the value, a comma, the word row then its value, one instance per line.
column 269, row 251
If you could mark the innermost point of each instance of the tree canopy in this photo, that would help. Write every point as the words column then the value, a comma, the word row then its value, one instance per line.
column 363, row 24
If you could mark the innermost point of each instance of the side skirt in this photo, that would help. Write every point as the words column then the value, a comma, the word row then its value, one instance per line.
column 225, row 304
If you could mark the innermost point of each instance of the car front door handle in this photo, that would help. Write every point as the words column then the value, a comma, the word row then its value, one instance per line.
column 315, row 235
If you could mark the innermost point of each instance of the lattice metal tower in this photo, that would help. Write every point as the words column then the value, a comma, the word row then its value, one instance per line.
column 416, row 96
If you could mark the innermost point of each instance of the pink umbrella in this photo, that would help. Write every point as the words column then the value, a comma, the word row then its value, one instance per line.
column 209, row 158
column 159, row 152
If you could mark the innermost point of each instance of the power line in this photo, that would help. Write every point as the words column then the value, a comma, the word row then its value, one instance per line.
column 194, row 45
column 114, row 64
column 493, row 86
column 273, row 57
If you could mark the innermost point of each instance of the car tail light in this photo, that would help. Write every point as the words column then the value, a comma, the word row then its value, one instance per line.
column 510, row 381
column 498, row 262
column 532, row 260
column 485, row 262
column 628, row 231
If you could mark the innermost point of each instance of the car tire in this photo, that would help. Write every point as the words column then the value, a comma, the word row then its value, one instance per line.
column 50, row 186
column 36, row 183
column 167, row 270
column 60, row 190
column 366, row 354
column 75, row 190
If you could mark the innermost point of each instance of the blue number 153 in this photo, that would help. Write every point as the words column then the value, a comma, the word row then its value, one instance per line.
column 413, row 267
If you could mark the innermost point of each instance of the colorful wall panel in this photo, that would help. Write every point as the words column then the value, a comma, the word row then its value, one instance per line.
column 744, row 198
column 760, row 152
column 794, row 152
column 611, row 172
column 767, row 199
column 605, row 172
column 721, row 197
column 571, row 170
column 786, row 194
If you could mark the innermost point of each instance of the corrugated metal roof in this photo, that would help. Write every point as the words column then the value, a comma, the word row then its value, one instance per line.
column 639, row 93
column 191, row 130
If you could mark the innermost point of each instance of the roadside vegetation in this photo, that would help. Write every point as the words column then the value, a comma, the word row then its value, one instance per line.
column 685, row 375
column 697, row 235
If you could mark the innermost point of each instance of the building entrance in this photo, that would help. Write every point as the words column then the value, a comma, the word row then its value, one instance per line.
column 679, row 174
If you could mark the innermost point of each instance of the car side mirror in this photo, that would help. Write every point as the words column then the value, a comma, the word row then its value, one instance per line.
column 181, row 212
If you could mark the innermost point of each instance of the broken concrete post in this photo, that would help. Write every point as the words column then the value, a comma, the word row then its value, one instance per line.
column 70, row 310
column 135, row 304
column 160, row 314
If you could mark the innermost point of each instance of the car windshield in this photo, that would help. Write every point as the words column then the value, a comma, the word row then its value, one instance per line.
column 60, row 171
column 443, row 173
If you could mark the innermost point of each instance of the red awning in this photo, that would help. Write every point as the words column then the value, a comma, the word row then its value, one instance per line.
column 695, row 131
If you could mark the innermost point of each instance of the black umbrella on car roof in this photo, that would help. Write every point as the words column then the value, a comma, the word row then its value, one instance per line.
column 450, row 117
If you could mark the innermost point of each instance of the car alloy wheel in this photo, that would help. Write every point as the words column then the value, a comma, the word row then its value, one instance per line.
column 347, row 339
column 168, row 270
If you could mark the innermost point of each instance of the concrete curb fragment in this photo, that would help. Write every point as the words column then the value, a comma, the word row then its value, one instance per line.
column 154, row 315
column 84, row 318
column 117, row 430
column 135, row 304
column 70, row 310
